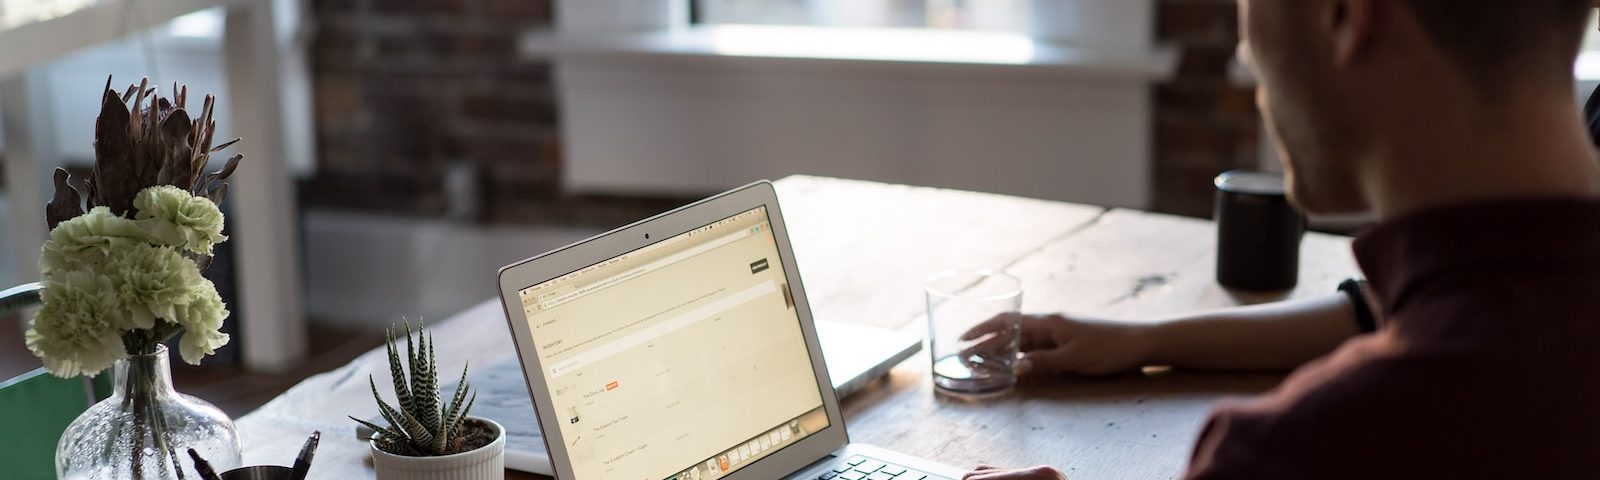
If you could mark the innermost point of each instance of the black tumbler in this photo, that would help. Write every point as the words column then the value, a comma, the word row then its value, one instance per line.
column 1258, row 232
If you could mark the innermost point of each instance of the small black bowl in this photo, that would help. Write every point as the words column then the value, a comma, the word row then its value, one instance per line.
column 258, row 472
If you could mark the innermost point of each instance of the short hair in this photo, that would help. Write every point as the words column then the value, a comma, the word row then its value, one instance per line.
column 1499, row 41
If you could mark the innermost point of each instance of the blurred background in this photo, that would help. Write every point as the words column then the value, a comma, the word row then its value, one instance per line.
column 400, row 151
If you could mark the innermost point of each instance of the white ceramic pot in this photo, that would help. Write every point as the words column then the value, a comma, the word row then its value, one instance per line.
column 486, row 463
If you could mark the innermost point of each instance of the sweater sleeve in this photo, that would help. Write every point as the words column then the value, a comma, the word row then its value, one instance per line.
column 1591, row 114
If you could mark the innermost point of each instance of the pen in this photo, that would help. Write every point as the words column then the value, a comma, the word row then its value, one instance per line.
column 201, row 466
column 302, row 463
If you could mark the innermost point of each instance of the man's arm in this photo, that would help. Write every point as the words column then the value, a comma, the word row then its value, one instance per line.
column 1277, row 336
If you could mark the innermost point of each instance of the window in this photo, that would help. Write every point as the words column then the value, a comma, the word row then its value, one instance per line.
column 1588, row 68
column 1591, row 42
column 982, row 15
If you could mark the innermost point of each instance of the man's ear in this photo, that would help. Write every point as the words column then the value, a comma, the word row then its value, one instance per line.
column 1351, row 26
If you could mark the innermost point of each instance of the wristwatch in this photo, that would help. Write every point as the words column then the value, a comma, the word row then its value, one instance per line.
column 1358, row 297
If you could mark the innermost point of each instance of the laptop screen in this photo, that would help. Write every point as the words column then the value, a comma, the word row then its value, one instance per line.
column 682, row 360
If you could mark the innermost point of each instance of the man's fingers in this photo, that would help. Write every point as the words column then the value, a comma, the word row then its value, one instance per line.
column 1056, row 360
column 1044, row 472
column 992, row 325
column 976, row 471
column 1041, row 472
column 991, row 474
column 994, row 343
column 1022, row 367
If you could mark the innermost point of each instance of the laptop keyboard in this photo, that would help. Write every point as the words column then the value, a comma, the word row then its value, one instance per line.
column 862, row 468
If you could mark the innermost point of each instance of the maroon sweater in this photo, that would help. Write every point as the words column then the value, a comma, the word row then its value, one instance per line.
column 1487, row 364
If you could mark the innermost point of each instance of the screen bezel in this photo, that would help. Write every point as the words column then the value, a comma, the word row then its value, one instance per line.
column 517, row 276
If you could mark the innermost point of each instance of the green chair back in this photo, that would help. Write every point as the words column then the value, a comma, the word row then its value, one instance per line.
column 36, row 407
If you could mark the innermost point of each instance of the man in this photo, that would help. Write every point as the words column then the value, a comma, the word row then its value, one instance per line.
column 1453, row 121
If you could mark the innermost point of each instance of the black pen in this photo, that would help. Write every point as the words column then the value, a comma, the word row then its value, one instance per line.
column 302, row 463
column 201, row 466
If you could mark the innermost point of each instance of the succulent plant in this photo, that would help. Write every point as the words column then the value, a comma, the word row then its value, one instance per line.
column 422, row 425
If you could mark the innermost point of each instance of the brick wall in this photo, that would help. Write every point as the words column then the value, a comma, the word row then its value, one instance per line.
column 406, row 90
column 1204, row 124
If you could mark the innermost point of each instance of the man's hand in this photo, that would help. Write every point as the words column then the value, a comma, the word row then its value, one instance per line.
column 1042, row 472
column 1058, row 344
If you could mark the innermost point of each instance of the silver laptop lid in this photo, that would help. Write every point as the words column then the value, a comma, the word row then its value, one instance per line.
column 679, row 347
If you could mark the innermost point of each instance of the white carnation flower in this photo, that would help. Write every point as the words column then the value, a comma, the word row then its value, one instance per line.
column 153, row 282
column 202, row 320
column 176, row 218
column 76, row 332
column 87, row 240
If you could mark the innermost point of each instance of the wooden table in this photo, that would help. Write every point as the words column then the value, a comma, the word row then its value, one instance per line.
column 864, row 249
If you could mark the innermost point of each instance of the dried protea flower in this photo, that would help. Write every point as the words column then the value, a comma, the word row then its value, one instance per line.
column 149, row 143
column 67, row 202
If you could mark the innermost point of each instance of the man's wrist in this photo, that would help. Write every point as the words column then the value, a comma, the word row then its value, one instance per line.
column 1151, row 344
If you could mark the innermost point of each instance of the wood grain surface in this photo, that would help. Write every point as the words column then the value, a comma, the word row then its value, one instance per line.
column 863, row 249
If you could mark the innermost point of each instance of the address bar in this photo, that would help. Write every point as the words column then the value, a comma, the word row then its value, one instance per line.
column 646, row 268
column 670, row 325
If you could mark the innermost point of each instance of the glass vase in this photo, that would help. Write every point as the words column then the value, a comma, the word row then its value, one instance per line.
column 144, row 430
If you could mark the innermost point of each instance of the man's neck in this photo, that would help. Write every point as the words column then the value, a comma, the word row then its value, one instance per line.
column 1532, row 148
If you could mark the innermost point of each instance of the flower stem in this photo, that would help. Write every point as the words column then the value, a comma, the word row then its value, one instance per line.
column 142, row 384
column 164, row 443
column 144, row 341
column 139, row 398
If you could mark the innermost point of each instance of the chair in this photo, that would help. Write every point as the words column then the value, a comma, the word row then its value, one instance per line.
column 19, row 297
column 37, row 406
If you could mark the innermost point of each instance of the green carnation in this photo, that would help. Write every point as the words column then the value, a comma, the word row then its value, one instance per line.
column 202, row 321
column 87, row 240
column 152, row 282
column 176, row 218
column 76, row 332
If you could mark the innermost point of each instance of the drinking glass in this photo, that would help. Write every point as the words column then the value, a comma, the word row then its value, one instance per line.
column 963, row 301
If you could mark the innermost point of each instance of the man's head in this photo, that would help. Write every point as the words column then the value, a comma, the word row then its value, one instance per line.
column 1334, row 74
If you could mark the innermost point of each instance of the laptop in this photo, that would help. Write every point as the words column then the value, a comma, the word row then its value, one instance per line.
column 856, row 355
column 859, row 354
column 682, row 347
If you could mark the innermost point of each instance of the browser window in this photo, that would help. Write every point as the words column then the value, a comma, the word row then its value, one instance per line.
column 682, row 360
